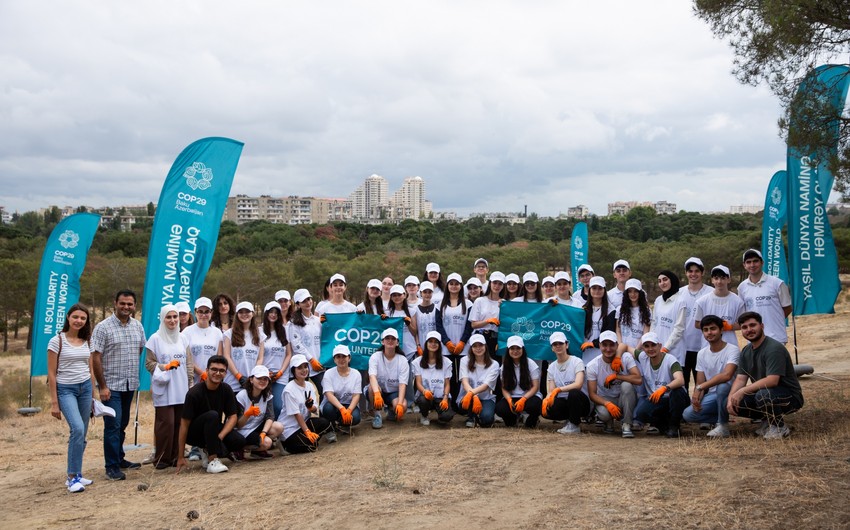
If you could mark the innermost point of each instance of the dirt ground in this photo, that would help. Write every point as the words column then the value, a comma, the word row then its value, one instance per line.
column 411, row 476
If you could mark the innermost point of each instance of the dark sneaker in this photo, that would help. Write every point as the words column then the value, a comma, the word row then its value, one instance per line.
column 236, row 456
column 114, row 473
column 672, row 432
column 262, row 455
column 126, row 464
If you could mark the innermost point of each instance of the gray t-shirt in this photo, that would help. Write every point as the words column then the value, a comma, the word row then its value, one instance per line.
column 770, row 358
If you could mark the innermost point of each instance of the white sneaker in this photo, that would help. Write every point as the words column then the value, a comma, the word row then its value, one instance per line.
column 470, row 424
column 762, row 430
column 424, row 421
column 498, row 419
column 720, row 431
column 151, row 458
column 82, row 480
column 215, row 466
column 194, row 454
column 569, row 428
column 777, row 433
column 330, row 437
column 627, row 431
column 74, row 485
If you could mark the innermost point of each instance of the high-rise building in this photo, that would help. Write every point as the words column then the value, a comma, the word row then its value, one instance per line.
column 409, row 201
column 370, row 199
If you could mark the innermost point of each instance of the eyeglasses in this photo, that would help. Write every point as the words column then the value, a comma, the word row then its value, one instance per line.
column 203, row 311
column 217, row 370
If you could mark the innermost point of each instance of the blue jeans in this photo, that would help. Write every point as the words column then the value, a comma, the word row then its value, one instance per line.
column 487, row 415
column 667, row 413
column 277, row 398
column 75, row 404
column 713, row 407
column 114, row 429
column 331, row 413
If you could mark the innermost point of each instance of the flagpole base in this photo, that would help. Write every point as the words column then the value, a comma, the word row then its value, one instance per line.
column 29, row 411
column 803, row 369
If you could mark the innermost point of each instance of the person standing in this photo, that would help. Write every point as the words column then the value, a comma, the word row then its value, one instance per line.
column 622, row 273
column 721, row 302
column 117, row 344
column 688, row 295
column 69, row 376
column 766, row 295
column 585, row 273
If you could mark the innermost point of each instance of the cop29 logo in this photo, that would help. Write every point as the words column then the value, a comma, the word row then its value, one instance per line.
column 578, row 243
column 776, row 196
column 69, row 239
column 198, row 176
column 524, row 327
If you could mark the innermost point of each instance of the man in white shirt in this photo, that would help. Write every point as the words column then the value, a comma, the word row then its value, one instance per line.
column 585, row 273
column 721, row 302
column 689, row 294
column 664, row 383
column 622, row 273
column 716, row 366
column 611, row 383
column 766, row 295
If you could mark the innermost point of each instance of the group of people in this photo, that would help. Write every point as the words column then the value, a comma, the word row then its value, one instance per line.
column 231, row 385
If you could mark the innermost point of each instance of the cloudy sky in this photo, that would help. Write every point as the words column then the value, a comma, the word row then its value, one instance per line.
column 495, row 104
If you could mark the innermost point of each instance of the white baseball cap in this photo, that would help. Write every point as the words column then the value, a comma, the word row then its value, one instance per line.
column 511, row 278
column 650, row 337
column 597, row 281
column 301, row 295
column 607, row 335
column 515, row 340
column 562, row 275
column 497, row 277
column 341, row 349
column 374, row 282
column 397, row 289
column 336, row 277
column 477, row 338
column 585, row 267
column 530, row 276
column 480, row 260
column 548, row 279
column 297, row 360
column 183, row 307
column 693, row 260
column 282, row 294
column 411, row 279
column 433, row 335
column 245, row 305
column 272, row 305
column 752, row 253
column 260, row 371
column 475, row 282
column 621, row 263
column 426, row 286
column 389, row 332
column 432, row 267
column 722, row 268
column 456, row 277
column 558, row 336
column 633, row 283
column 203, row 302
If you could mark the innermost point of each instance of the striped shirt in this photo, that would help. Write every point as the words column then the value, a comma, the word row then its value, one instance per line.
column 120, row 346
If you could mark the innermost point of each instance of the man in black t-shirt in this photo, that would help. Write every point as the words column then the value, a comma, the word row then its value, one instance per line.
column 201, row 424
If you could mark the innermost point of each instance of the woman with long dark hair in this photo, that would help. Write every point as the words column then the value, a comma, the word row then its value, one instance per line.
column 478, row 375
column 256, row 421
column 634, row 317
column 598, row 317
column 284, row 299
column 185, row 313
column 301, row 430
column 453, row 325
column 435, row 276
column 276, row 352
column 242, row 346
column 372, row 303
column 520, row 386
column 70, row 376
column 223, row 312
column 432, row 378
column 305, row 335
column 484, row 315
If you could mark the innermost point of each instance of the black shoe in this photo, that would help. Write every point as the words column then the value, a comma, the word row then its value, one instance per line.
column 672, row 433
column 113, row 473
column 126, row 464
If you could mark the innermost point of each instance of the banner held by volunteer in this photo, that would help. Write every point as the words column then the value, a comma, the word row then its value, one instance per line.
column 536, row 322
column 361, row 332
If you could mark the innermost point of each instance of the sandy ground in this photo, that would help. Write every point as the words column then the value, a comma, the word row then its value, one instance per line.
column 406, row 475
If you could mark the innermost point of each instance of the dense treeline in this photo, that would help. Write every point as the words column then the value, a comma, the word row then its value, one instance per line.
column 253, row 261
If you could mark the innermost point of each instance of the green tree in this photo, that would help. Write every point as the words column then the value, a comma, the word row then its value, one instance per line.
column 779, row 42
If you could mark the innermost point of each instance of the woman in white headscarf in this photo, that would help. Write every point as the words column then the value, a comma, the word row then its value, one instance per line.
column 169, row 361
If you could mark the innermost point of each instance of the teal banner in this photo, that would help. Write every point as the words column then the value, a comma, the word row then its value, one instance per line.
column 813, row 262
column 774, row 221
column 361, row 332
column 58, row 289
column 536, row 322
column 185, row 228
column 578, row 251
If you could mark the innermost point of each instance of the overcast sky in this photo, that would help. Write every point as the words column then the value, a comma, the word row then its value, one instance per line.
column 495, row 104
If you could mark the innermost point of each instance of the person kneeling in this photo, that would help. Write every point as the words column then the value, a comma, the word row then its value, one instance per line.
column 432, row 377
column 664, row 383
column 564, row 379
column 341, row 386
column 611, row 383
column 520, row 385
column 301, row 431
column 257, row 423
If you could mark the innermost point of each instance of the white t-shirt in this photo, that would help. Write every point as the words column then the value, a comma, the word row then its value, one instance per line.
column 307, row 339
column 244, row 357
column 631, row 334
column 454, row 324
column 484, row 309
column 408, row 341
column 668, row 322
column 598, row 370
column 425, row 323
column 294, row 402
column 728, row 307
column 175, row 391
column 253, row 421
column 478, row 376
column 654, row 378
column 712, row 363
column 533, row 370
column 615, row 297
column 390, row 373
column 73, row 366
column 768, row 297
column 330, row 308
column 203, row 343
column 693, row 336
column 563, row 374
column 274, row 354
column 433, row 378
column 343, row 388
column 578, row 300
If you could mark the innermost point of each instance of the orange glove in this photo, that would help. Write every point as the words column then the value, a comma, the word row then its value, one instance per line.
column 519, row 406
column 727, row 326
column 253, row 410
column 616, row 364
column 444, row 404
column 656, row 396
column 419, row 351
column 172, row 365
column 262, row 438
column 550, row 400
column 554, row 301
column 399, row 412
column 323, row 318
column 428, row 395
column 407, row 320
column 466, row 402
column 346, row 416
column 510, row 404
column 476, row 405
column 204, row 375
column 664, row 350
column 277, row 375
column 316, row 365
column 494, row 321
column 451, row 347
column 610, row 379
column 586, row 345
column 313, row 437
column 378, row 401
column 614, row 410
column 384, row 316
column 459, row 347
